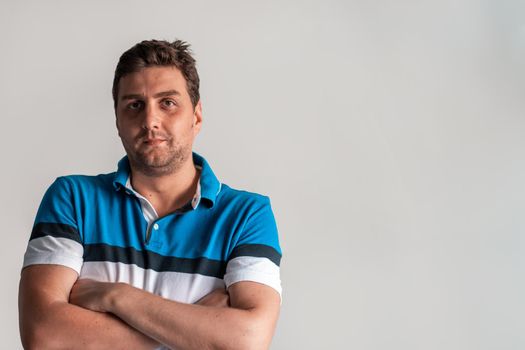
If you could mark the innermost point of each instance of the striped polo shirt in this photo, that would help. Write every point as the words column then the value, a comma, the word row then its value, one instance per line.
column 104, row 230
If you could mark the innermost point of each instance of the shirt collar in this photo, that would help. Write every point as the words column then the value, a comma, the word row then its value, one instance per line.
column 209, row 184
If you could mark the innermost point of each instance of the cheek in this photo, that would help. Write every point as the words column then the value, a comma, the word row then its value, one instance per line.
column 127, row 127
column 126, row 134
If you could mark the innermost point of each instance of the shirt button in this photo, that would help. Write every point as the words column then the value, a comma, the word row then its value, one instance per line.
column 156, row 226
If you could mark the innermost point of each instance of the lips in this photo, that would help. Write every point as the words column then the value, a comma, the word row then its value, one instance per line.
column 153, row 142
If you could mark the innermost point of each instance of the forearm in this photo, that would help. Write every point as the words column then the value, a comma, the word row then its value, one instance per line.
column 185, row 326
column 60, row 325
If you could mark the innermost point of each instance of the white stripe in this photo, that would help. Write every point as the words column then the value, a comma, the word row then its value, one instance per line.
column 54, row 250
column 178, row 286
column 249, row 268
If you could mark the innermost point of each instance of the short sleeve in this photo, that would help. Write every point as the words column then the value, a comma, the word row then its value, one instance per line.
column 257, row 255
column 55, row 237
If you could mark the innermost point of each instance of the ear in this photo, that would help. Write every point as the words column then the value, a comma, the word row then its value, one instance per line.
column 197, row 118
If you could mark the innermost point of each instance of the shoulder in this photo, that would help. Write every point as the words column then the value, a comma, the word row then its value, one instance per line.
column 247, row 200
column 74, row 188
column 68, row 195
column 253, row 212
column 81, row 182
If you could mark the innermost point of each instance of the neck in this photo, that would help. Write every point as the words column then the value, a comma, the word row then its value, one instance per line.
column 167, row 192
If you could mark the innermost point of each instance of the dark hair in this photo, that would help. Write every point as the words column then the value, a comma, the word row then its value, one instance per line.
column 150, row 53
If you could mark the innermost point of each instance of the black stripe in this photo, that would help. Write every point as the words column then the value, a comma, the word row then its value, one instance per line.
column 150, row 260
column 257, row 250
column 55, row 230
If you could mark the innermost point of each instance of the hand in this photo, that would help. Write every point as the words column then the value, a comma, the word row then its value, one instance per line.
column 91, row 295
column 219, row 298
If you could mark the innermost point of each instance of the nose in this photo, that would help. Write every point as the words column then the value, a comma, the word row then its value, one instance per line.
column 151, row 119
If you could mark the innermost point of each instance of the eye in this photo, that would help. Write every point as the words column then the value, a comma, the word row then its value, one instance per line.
column 135, row 105
column 168, row 103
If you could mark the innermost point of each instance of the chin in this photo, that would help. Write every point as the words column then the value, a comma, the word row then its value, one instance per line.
column 160, row 163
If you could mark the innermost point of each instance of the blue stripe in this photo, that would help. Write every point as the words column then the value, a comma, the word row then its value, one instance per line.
column 87, row 209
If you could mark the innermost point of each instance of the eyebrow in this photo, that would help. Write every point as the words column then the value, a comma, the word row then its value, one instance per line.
column 157, row 95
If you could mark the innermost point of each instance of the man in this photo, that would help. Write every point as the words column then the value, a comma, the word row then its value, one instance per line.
column 159, row 253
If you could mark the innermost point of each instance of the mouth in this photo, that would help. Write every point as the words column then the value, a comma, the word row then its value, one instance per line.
column 153, row 142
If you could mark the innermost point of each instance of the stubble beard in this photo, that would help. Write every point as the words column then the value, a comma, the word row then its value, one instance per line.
column 160, row 162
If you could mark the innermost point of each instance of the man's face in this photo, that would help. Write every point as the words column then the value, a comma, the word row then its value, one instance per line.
column 156, row 120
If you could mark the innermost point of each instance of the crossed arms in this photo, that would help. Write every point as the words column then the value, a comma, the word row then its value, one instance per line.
column 59, row 312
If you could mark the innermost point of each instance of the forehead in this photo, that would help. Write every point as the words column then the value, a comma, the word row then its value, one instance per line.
column 151, row 80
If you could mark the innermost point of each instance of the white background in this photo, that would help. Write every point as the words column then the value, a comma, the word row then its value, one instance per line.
column 388, row 134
